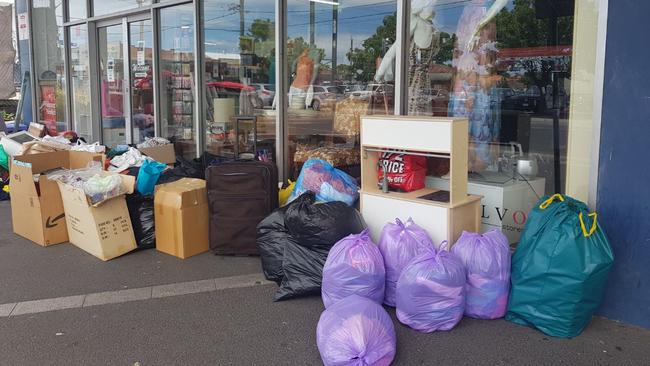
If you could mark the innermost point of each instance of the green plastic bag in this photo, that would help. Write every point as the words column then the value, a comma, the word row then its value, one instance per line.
column 559, row 268
column 4, row 158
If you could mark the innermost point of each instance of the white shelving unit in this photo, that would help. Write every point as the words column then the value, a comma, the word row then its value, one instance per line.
column 434, row 137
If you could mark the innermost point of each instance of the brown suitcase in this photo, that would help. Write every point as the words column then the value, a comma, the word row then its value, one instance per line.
column 240, row 195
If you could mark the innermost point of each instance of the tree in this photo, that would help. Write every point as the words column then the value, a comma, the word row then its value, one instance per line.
column 262, row 29
column 521, row 28
column 375, row 46
column 446, row 53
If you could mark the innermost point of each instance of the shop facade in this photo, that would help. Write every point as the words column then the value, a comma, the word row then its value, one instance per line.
column 204, row 73
column 289, row 79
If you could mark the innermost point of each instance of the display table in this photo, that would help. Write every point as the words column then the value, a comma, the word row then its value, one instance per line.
column 506, row 202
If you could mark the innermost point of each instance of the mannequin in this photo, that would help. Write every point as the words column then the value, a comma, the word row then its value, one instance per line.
column 471, row 97
column 425, row 40
column 422, row 34
column 306, row 69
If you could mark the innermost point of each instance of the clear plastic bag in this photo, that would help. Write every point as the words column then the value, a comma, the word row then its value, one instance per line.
column 96, row 184
column 399, row 244
column 356, row 331
column 354, row 266
column 487, row 261
column 328, row 183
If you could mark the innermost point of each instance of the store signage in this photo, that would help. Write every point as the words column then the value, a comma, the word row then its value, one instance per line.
column 110, row 70
column 140, row 71
column 23, row 28
column 140, row 57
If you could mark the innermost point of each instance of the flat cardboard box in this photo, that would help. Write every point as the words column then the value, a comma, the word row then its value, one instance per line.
column 103, row 229
column 181, row 214
column 37, row 214
column 163, row 154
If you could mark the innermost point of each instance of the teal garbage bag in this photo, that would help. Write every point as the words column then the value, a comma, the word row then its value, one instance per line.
column 559, row 268
column 4, row 159
column 148, row 176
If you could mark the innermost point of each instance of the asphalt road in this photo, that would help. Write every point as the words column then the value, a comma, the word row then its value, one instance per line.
column 244, row 327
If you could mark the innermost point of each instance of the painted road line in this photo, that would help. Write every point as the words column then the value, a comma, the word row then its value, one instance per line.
column 135, row 294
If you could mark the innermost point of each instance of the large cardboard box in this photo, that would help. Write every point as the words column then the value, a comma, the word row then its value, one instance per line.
column 181, row 214
column 163, row 154
column 103, row 229
column 36, row 207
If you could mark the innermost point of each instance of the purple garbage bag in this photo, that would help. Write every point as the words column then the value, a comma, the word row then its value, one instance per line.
column 356, row 331
column 431, row 292
column 354, row 266
column 399, row 244
column 487, row 261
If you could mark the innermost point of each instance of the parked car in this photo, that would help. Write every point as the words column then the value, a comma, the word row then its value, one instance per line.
column 323, row 93
column 266, row 92
column 351, row 88
column 530, row 100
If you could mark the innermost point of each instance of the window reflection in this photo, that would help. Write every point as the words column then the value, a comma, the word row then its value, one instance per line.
column 342, row 64
column 177, row 96
column 80, row 83
column 504, row 65
column 48, row 61
column 240, row 77
column 103, row 7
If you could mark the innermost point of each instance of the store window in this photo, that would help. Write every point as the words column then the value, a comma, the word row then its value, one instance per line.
column 103, row 7
column 49, row 66
column 239, row 44
column 80, row 82
column 141, row 64
column 77, row 10
column 334, row 54
column 506, row 66
column 177, row 78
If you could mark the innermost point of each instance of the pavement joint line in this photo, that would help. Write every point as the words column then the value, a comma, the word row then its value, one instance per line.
column 132, row 294
column 6, row 309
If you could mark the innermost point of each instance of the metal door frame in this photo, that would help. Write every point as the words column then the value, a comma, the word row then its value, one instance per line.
column 124, row 22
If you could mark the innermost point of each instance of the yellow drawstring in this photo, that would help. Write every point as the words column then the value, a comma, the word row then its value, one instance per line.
column 546, row 203
column 594, row 225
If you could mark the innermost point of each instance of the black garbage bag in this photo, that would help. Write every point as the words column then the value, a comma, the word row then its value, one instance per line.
column 182, row 169
column 142, row 219
column 296, row 267
column 303, row 271
column 272, row 235
column 321, row 224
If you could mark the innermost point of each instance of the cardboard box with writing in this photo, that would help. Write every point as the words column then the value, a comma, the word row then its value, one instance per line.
column 163, row 154
column 181, row 214
column 36, row 207
column 103, row 229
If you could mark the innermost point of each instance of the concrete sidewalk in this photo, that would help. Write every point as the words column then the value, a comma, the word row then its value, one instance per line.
column 61, row 306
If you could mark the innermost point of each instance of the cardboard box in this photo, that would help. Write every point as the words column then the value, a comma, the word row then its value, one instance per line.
column 103, row 229
column 181, row 214
column 37, row 213
column 163, row 154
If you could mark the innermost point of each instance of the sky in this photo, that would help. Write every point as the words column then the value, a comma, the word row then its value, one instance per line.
column 357, row 20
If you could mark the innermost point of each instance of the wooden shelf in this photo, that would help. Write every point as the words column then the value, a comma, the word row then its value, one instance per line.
column 415, row 197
